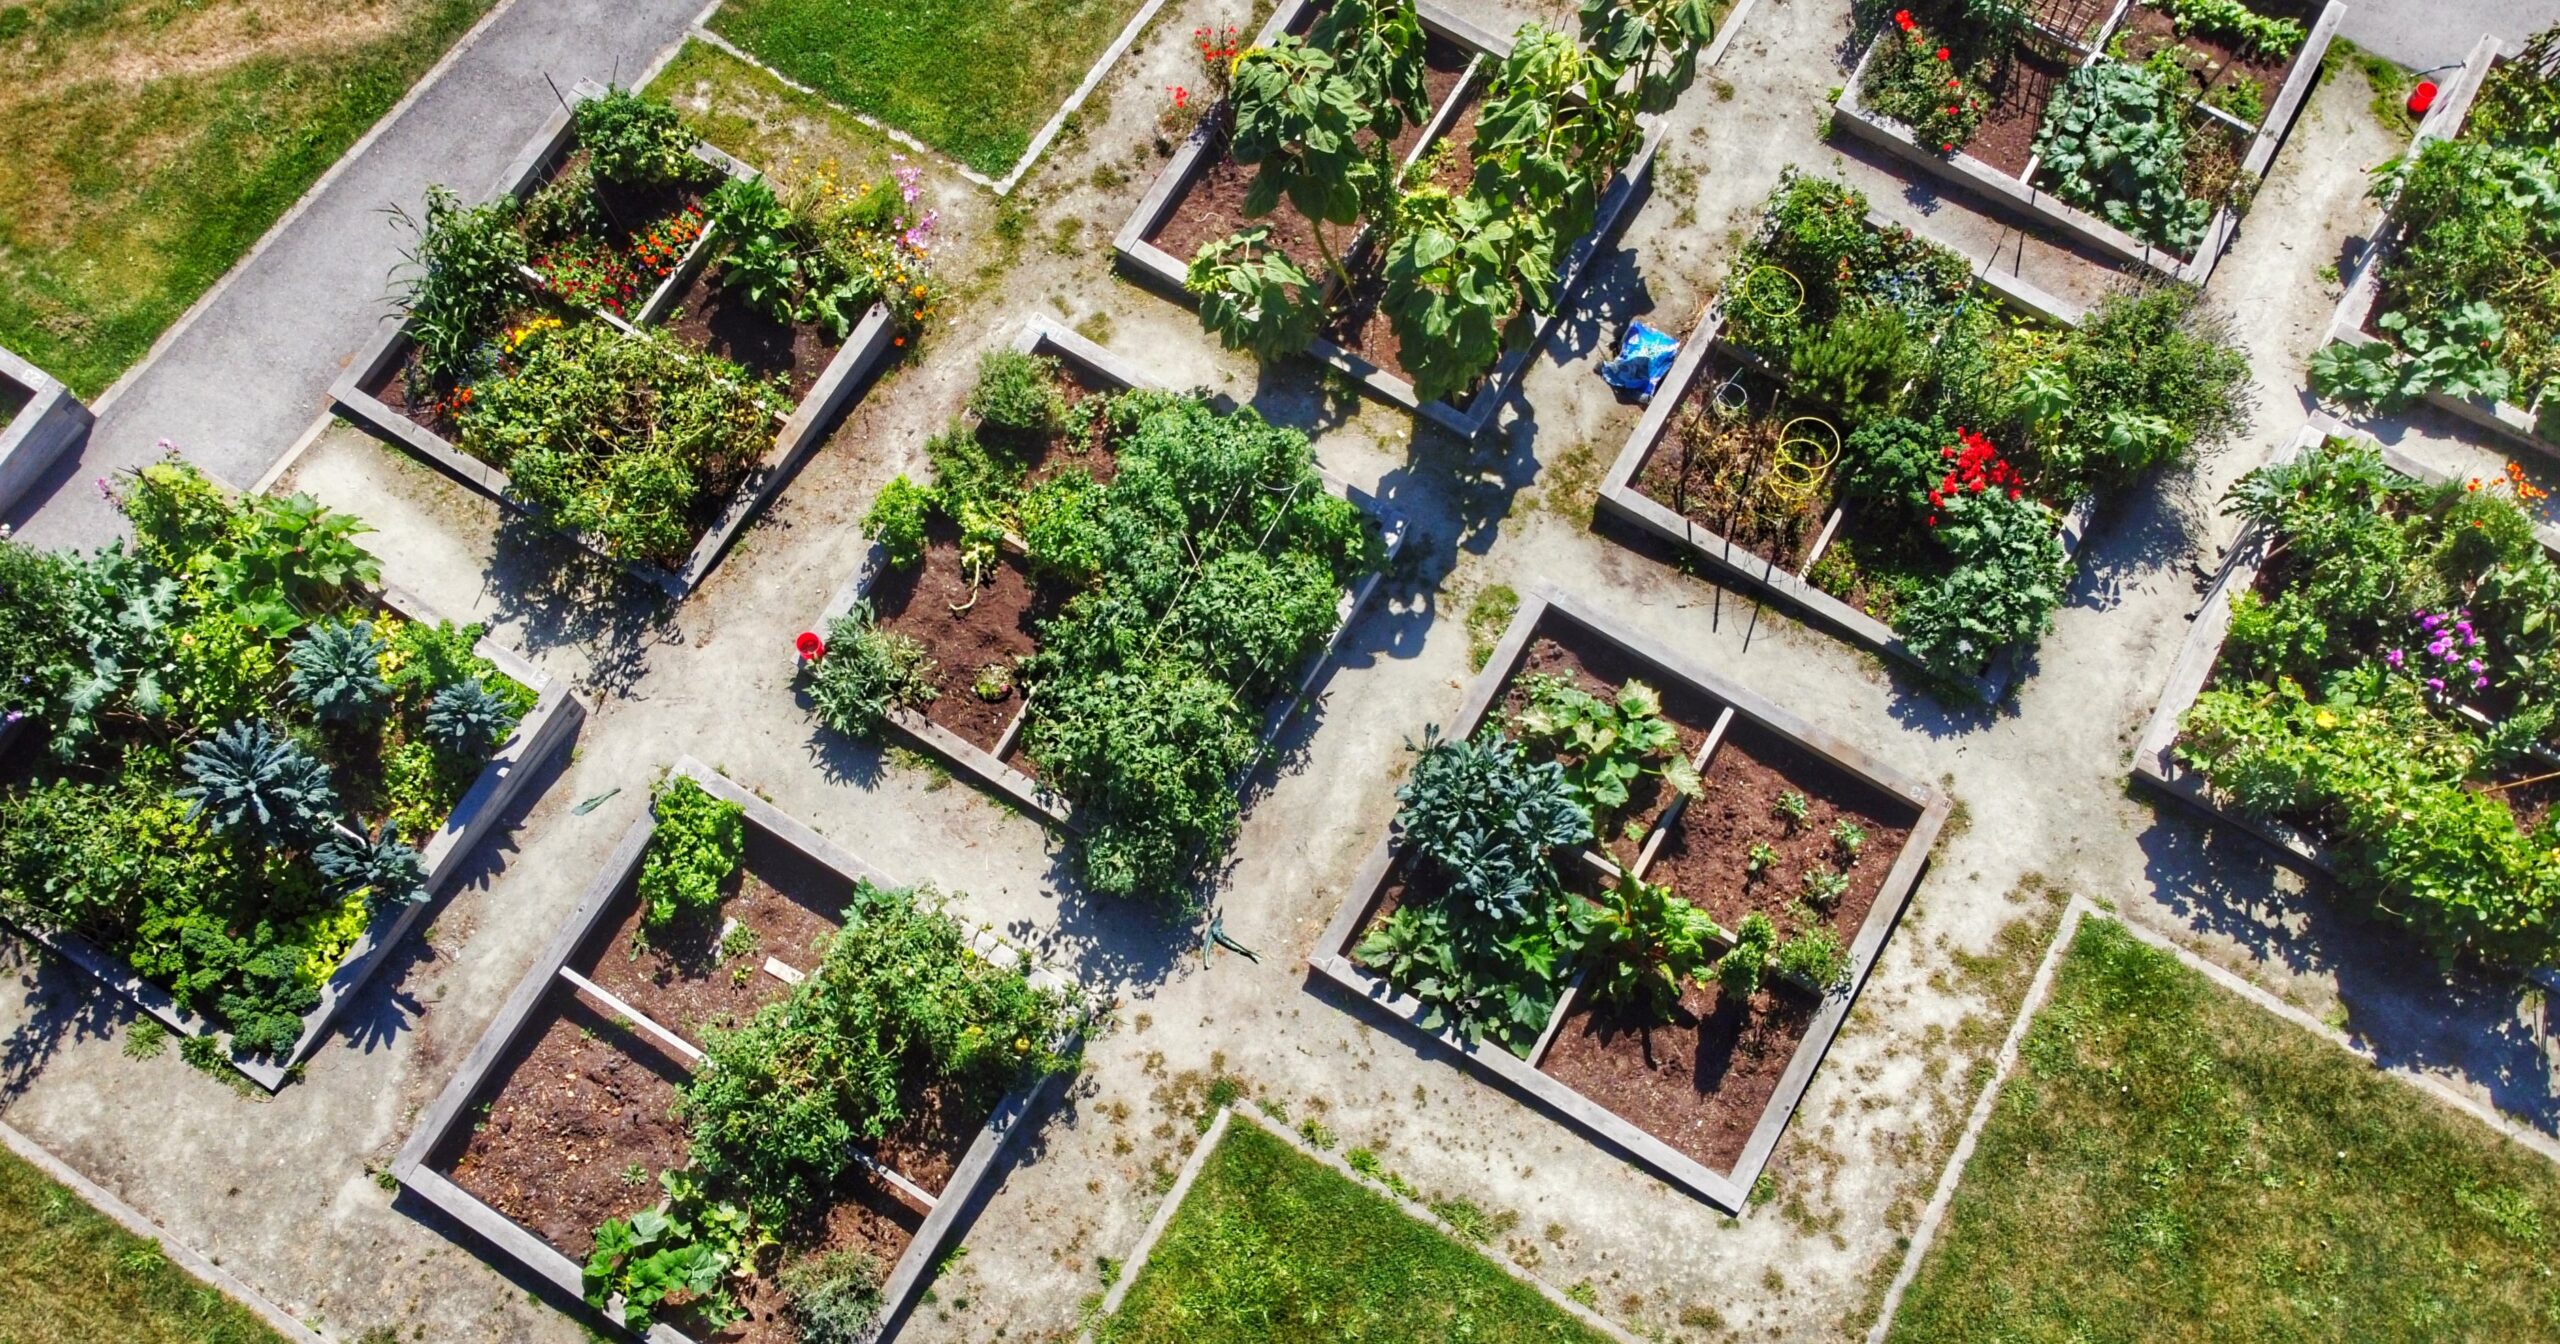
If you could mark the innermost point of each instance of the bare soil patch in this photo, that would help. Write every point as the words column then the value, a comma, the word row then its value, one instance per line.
column 965, row 629
column 710, row 316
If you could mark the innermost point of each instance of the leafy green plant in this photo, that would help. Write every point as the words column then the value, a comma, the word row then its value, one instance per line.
column 635, row 139
column 253, row 783
column 1848, row 837
column 901, row 1001
column 1646, row 944
column 2113, row 141
column 337, row 671
column 757, row 257
column 2457, row 360
column 2009, row 576
column 1491, row 819
column 1253, row 297
column 1604, row 746
column 2255, row 34
column 897, row 522
column 1813, row 959
column 1823, row 888
column 1744, row 965
column 462, row 278
column 1656, row 43
column 466, row 719
column 2242, row 97
column 1018, row 393
column 693, row 852
column 390, row 872
column 653, row 1257
column 622, row 437
column 1459, row 278
column 867, row 671
column 1792, row 808
column 1762, row 858
column 832, row 1298
column 1857, row 363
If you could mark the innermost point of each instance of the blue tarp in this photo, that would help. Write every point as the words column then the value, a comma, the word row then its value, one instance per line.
column 1644, row 358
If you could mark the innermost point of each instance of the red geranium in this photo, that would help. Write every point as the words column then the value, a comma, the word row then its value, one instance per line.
column 1978, row 466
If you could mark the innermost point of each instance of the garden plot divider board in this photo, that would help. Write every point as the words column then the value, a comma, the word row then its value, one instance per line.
column 1620, row 496
column 607, row 899
column 2020, row 194
column 2354, row 319
column 1668, row 672
column 1161, row 269
column 2154, row 757
column 545, row 729
column 794, row 437
column 49, row 421
column 1041, row 336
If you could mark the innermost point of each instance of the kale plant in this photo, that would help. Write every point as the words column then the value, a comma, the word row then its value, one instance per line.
column 466, row 719
column 1491, row 819
column 251, row 782
column 337, row 671
column 392, row 871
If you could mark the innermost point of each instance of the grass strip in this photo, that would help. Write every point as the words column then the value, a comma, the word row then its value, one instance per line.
column 152, row 143
column 1274, row 1247
column 2169, row 1163
column 972, row 78
column 76, row 1277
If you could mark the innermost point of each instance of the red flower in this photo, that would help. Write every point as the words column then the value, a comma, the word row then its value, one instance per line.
column 1942, row 53
column 1902, row 20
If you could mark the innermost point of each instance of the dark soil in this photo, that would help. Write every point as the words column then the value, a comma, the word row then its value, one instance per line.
column 1699, row 1082
column 2019, row 91
column 864, row 1217
column 1700, row 483
column 2216, row 63
column 13, row 399
column 572, row 1115
column 1564, row 649
column 1211, row 205
column 681, row 979
column 712, row 317
column 997, row 628
column 1705, row 856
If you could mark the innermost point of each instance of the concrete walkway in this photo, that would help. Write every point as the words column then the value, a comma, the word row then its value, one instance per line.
column 238, row 379
column 2423, row 34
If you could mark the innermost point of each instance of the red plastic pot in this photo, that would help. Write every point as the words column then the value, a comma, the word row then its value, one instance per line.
column 2422, row 97
column 810, row 645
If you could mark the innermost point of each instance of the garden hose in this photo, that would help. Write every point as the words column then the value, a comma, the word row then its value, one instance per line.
column 1808, row 446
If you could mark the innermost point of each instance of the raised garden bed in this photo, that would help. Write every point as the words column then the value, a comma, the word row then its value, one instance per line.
column 291, row 941
column 618, row 277
column 2501, row 260
column 1783, row 824
column 2232, row 103
column 1840, row 493
column 1199, row 199
column 978, row 714
column 588, row 1088
column 2389, row 865
column 39, row 421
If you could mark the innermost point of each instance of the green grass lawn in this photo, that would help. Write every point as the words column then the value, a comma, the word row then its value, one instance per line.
column 2170, row 1163
column 151, row 142
column 766, row 122
column 75, row 1277
column 973, row 78
column 1273, row 1247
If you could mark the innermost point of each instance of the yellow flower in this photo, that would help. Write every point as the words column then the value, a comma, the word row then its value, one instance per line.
column 2325, row 718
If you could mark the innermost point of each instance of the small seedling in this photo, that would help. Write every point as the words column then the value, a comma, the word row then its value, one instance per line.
column 1848, row 837
column 995, row 682
column 1824, row 888
column 1793, row 808
column 1764, row 856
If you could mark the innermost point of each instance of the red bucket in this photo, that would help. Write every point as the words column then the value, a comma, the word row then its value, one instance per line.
column 2422, row 97
column 810, row 645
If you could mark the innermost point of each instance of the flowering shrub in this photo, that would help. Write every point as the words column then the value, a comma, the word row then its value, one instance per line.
column 823, row 250
column 1926, row 83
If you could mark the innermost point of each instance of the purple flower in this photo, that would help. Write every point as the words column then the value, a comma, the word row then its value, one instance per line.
column 2440, row 647
column 2480, row 684
column 2473, row 665
column 2392, row 656
column 2436, row 684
